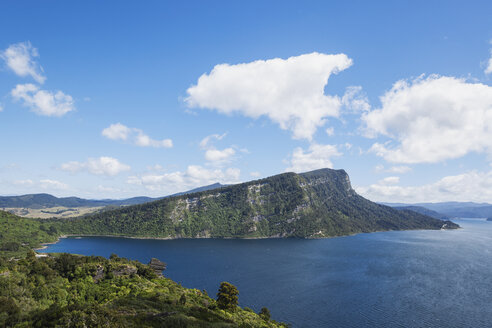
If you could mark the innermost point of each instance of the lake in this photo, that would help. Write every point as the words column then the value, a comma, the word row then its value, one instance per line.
column 384, row 279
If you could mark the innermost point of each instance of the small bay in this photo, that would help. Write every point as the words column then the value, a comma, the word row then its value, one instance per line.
column 384, row 279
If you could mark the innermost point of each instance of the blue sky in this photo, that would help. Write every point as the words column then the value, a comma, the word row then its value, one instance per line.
column 119, row 99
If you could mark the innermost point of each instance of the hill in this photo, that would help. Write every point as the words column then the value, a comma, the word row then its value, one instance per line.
column 315, row 204
column 38, row 201
column 454, row 209
column 424, row 211
column 48, row 206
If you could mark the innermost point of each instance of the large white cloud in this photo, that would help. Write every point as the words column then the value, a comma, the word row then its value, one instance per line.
column 432, row 119
column 43, row 102
column 290, row 91
column 20, row 58
column 194, row 176
column 473, row 186
column 119, row 131
column 100, row 166
column 316, row 157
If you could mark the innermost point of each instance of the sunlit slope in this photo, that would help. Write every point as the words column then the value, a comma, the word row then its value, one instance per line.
column 320, row 203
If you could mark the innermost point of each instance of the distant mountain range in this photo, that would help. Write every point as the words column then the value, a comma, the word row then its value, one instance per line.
column 449, row 209
column 40, row 201
column 314, row 204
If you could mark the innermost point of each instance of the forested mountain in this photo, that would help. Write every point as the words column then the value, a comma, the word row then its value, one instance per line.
column 315, row 204
column 454, row 209
column 424, row 211
column 38, row 201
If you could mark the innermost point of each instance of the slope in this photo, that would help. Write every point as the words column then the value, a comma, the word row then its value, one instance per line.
column 320, row 203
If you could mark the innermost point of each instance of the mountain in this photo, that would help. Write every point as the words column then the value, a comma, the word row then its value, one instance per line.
column 320, row 203
column 454, row 209
column 41, row 201
column 424, row 211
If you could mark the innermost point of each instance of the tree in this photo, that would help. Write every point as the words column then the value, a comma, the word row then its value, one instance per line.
column 227, row 296
column 264, row 314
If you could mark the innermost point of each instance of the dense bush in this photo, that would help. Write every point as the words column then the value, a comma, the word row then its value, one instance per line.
column 64, row 291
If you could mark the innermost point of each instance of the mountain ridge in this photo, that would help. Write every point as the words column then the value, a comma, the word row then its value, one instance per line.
column 319, row 203
column 44, row 200
column 453, row 209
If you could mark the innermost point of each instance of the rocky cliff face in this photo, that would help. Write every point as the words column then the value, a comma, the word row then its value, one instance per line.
column 319, row 203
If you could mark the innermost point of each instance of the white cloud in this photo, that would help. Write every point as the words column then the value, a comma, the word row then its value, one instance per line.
column 205, row 143
column 432, row 119
column 389, row 181
column 488, row 69
column 255, row 174
column 116, row 131
column 471, row 186
column 215, row 155
column 399, row 169
column 119, row 131
column 393, row 169
column 43, row 102
column 46, row 184
column 52, row 184
column 355, row 101
column 317, row 157
column 194, row 176
column 100, row 166
column 1, row 107
column 330, row 131
column 26, row 182
column 290, row 92
column 20, row 58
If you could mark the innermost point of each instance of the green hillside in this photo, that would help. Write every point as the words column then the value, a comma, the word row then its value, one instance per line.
column 78, row 291
column 315, row 204
column 19, row 235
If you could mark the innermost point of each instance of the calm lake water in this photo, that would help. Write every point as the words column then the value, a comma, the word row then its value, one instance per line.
column 384, row 279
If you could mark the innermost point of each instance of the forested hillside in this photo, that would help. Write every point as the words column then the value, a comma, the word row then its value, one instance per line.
column 77, row 291
column 320, row 203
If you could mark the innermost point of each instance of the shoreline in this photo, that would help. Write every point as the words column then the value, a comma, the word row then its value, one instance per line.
column 45, row 245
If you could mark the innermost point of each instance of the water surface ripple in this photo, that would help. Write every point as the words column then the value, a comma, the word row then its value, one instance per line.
column 384, row 279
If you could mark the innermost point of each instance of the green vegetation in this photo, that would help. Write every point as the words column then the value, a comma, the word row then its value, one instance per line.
column 310, row 205
column 19, row 235
column 77, row 291
column 227, row 297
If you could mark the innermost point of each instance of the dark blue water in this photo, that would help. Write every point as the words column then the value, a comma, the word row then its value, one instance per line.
column 384, row 279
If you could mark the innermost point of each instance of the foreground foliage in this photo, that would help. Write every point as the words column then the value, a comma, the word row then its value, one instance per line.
column 78, row 291
column 315, row 204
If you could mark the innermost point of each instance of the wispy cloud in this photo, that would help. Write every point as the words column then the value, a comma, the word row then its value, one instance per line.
column 136, row 136
column 21, row 59
column 99, row 166
column 43, row 102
